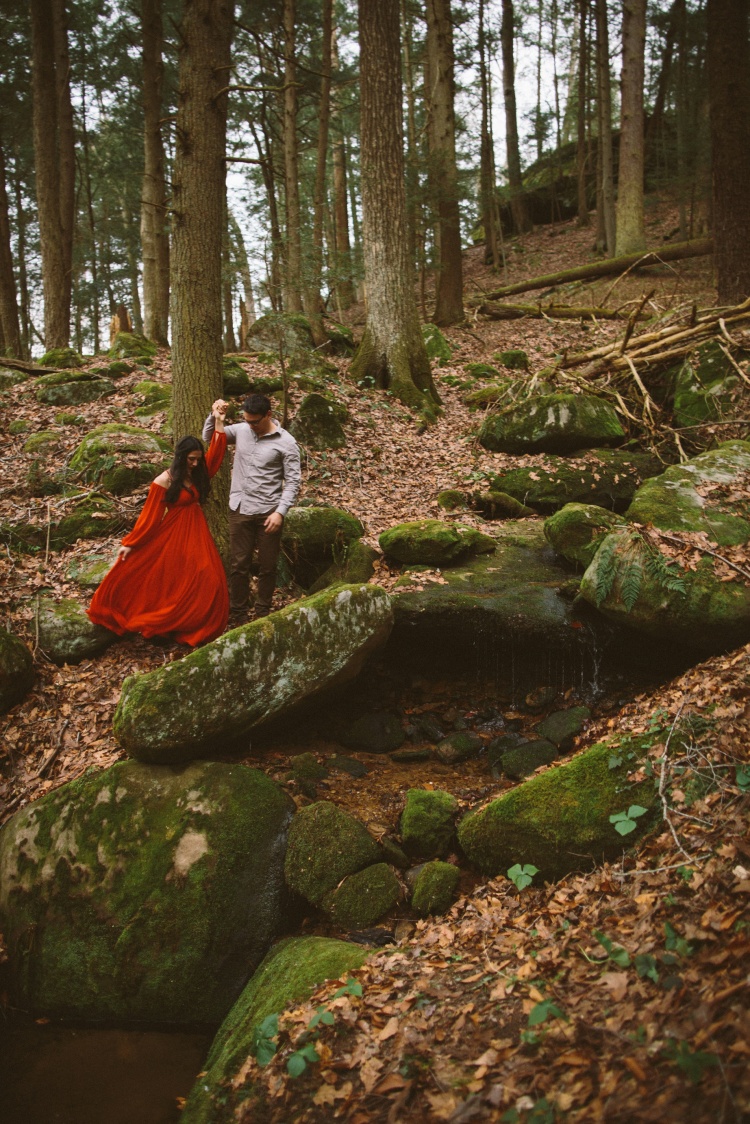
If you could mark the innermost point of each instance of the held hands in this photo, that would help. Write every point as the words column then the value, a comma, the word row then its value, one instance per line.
column 273, row 523
column 219, row 410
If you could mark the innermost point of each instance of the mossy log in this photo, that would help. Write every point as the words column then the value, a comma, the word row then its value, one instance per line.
column 496, row 311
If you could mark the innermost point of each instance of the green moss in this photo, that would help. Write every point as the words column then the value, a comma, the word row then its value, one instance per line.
column 20, row 425
column 436, row 344
column 10, row 378
column 317, row 423
column 356, row 566
column 47, row 439
column 435, row 888
column 67, row 418
column 289, row 973
column 559, row 820
column 363, row 898
column 314, row 538
column 92, row 518
column 143, row 894
column 289, row 330
column 552, row 423
column 235, row 380
column 427, row 822
column 325, row 845
column 72, row 390
column 66, row 635
column 61, row 357
column 706, row 386
column 482, row 371
column 130, row 345
column 515, row 359
column 16, row 670
column 156, row 394
column 576, row 531
column 605, row 478
column 521, row 760
column 96, row 458
column 499, row 505
column 433, row 543
column 563, row 726
column 490, row 395
column 89, row 570
column 340, row 339
column 451, row 498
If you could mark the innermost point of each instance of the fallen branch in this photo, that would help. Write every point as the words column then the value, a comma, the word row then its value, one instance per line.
column 496, row 311
column 51, row 756
column 703, row 550
column 23, row 365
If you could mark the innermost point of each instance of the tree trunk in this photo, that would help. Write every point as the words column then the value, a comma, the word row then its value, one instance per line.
column 244, row 267
column 66, row 139
column 487, row 186
column 8, row 304
column 56, row 263
column 93, row 264
column 729, row 92
column 392, row 353
column 604, row 140
column 581, row 148
column 442, row 135
column 413, row 203
column 198, row 195
column 631, row 233
column 154, row 234
column 313, row 301
column 517, row 202
column 23, row 285
column 293, row 271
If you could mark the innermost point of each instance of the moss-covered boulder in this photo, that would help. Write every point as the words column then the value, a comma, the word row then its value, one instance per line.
column 436, row 345
column 482, row 371
column 606, row 478
column 480, row 398
column 143, row 894
column 67, row 417
column 316, row 537
column 576, row 530
column 289, row 330
column 325, row 845
column 289, row 973
column 515, row 359
column 10, row 378
column 378, row 731
column 560, row 820
column 431, row 542
column 522, row 760
column 450, row 499
column 62, row 357
column 119, row 458
column 706, row 386
column 499, row 505
column 156, row 396
column 252, row 674
column 46, row 439
column 356, row 565
column 235, row 379
column 562, row 727
column 89, row 570
column 317, row 423
column 71, row 388
column 458, row 747
column 16, row 670
column 363, row 898
column 340, row 339
column 428, row 822
column 18, row 426
column 67, row 635
column 552, row 423
column 90, row 518
column 435, row 888
column 130, row 345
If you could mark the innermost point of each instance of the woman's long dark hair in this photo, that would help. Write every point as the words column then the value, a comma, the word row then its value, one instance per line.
column 178, row 470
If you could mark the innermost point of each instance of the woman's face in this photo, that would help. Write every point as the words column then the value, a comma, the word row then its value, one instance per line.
column 194, row 459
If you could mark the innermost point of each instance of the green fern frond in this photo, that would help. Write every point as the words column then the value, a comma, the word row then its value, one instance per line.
column 662, row 574
column 606, row 568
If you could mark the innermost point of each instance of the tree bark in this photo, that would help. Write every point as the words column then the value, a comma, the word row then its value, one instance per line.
column 49, row 159
column 244, row 267
column 443, row 173
column 581, row 147
column 604, row 140
column 23, row 285
column 198, row 199
column 293, row 270
column 392, row 353
column 631, row 232
column 729, row 92
column 517, row 203
column 487, row 185
column 8, row 302
column 154, row 232
column 314, row 301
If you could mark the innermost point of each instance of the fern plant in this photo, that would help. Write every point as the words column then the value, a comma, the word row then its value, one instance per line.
column 625, row 556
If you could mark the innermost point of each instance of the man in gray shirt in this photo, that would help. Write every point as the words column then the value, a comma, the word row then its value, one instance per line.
column 265, row 483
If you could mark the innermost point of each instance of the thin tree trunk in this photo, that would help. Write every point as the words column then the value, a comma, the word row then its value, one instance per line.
column 22, row 273
column 293, row 272
column 96, row 312
column 729, row 92
column 517, row 202
column 227, row 279
column 244, row 267
column 487, row 187
column 392, row 353
column 343, row 259
column 8, row 304
column 198, row 195
column 681, row 117
column 449, row 281
column 581, row 147
column 265, row 151
column 605, row 123
column 631, row 232
column 314, row 300
column 154, row 233
column 66, row 139
column 412, row 176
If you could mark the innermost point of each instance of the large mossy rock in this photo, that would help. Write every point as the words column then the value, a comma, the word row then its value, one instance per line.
column 559, row 820
column 143, row 894
column 42, row 442
column 91, row 518
column 290, row 330
column 576, row 530
column 553, row 423
column 363, row 898
column 67, row 635
column 435, row 888
column 316, row 537
column 9, row 378
column 16, row 670
column 325, row 845
column 436, row 345
column 130, row 345
column 317, row 423
column 89, row 570
column 71, row 388
column 64, row 357
column 252, row 674
column 706, row 386
column 289, row 973
column 157, row 396
column 356, row 565
column 607, row 478
column 631, row 585
column 235, row 379
column 119, row 458
column 428, row 822
column 431, row 542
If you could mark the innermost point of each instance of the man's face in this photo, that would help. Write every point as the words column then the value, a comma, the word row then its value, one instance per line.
column 259, row 423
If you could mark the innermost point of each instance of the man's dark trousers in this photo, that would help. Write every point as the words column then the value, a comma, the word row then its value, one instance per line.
column 246, row 535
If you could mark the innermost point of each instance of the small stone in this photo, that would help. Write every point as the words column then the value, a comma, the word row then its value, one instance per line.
column 393, row 854
column 325, row 845
column 427, row 822
column 67, row 635
column 363, row 898
column 378, row 732
column 562, row 727
column 429, row 727
column 435, row 888
column 16, row 670
column 498, row 747
column 451, row 498
column 20, row 425
column 305, row 766
column 539, row 698
column 458, row 747
column 342, row 764
column 515, row 359
column 415, row 753
column 525, row 759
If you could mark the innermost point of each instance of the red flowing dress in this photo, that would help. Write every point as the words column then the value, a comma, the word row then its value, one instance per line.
column 173, row 581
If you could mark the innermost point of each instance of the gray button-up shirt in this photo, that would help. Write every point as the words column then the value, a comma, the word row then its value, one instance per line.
column 266, row 472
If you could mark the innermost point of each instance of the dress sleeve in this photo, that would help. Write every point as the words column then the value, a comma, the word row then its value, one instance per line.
column 150, row 518
column 215, row 452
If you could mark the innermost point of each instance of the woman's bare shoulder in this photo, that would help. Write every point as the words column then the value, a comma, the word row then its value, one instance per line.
column 163, row 479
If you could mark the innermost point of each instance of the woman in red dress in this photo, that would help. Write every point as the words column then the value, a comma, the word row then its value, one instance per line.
column 168, row 578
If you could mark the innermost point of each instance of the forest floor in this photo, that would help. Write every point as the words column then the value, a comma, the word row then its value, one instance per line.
column 510, row 1007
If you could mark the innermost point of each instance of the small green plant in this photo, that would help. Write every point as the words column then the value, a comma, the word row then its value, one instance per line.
column 351, row 987
column 693, row 1063
column 544, row 1010
column 614, row 951
column 645, row 966
column 522, row 876
column 614, row 761
column 675, row 943
column 627, row 555
column 625, row 821
column 742, row 776
column 264, row 1040
column 297, row 1063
